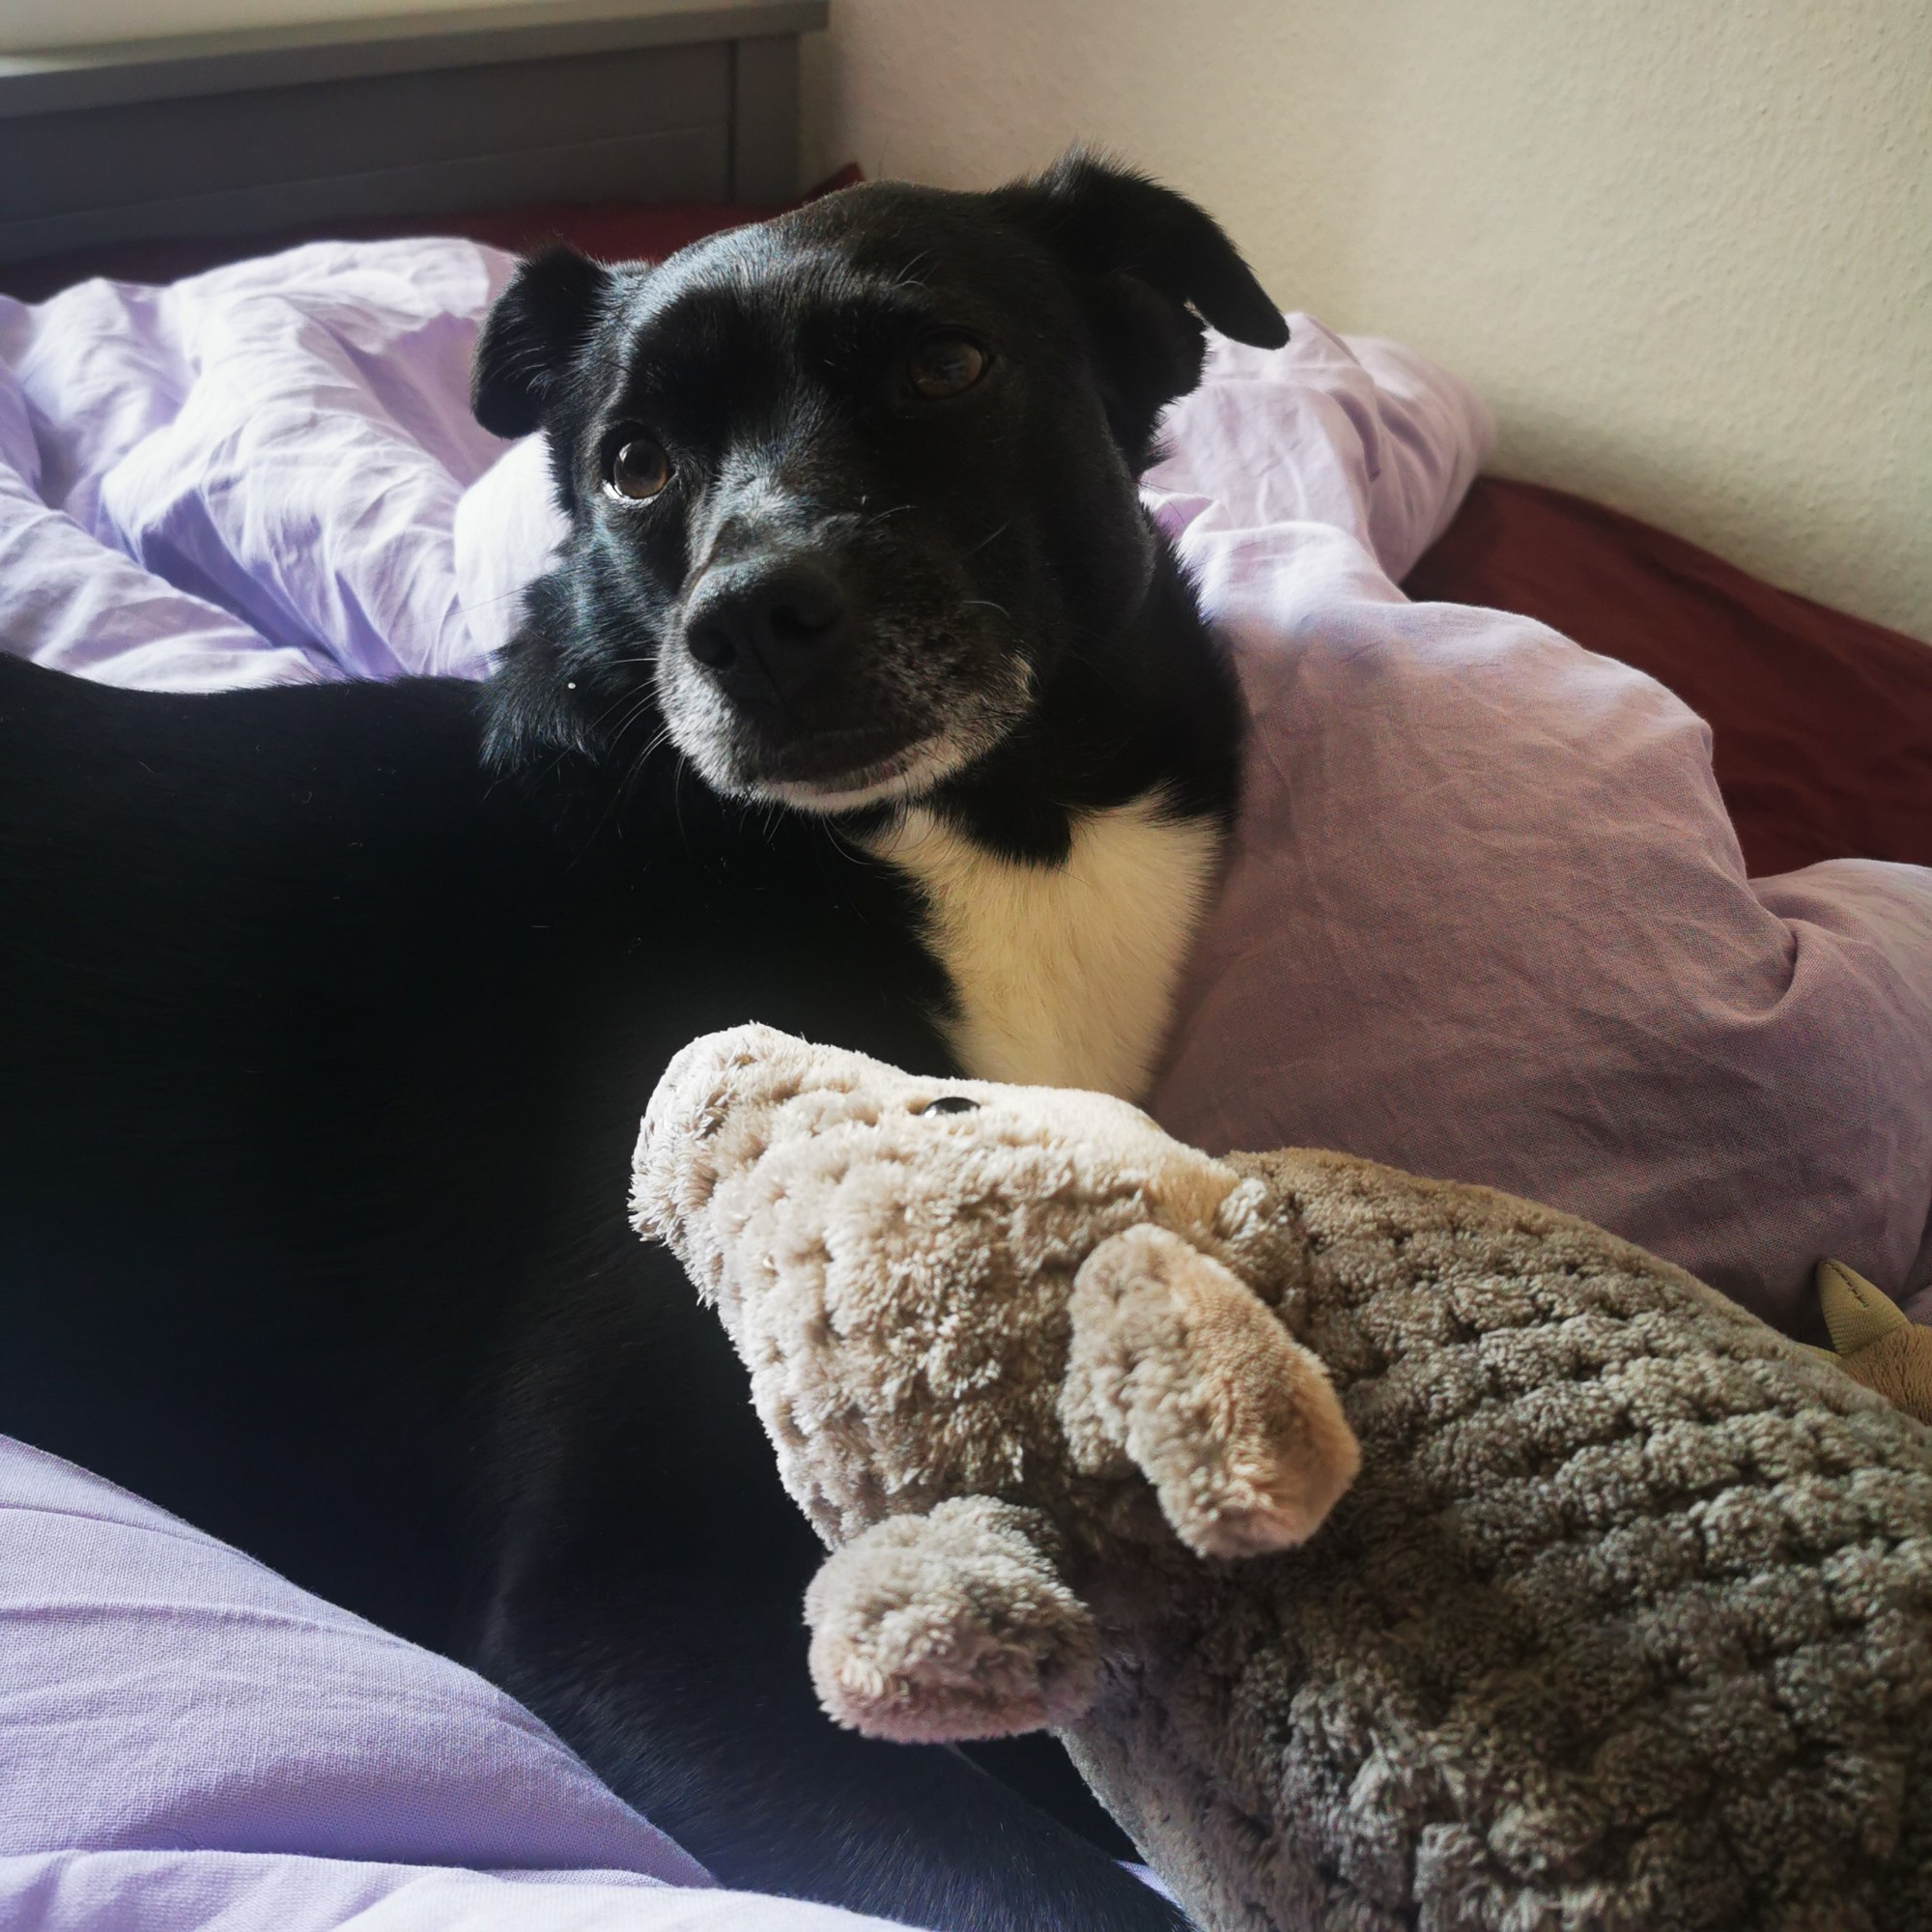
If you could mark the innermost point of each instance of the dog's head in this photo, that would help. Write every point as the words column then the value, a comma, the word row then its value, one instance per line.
column 845, row 488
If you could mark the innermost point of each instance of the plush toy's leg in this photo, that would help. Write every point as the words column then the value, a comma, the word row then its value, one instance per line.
column 951, row 1625
column 1178, row 1368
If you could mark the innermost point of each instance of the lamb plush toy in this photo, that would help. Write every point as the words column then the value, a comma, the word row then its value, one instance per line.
column 1387, row 1553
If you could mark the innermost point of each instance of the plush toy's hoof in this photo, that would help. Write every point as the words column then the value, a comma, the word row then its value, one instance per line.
column 1873, row 1342
column 929, row 1629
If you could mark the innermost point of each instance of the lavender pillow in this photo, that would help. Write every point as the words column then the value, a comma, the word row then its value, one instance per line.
column 187, row 1740
column 1486, row 916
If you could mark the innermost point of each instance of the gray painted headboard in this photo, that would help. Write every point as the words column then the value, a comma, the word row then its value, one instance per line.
column 231, row 133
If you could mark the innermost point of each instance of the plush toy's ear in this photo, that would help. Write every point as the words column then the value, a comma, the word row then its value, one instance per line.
column 1177, row 1367
column 1147, row 266
column 533, row 335
column 928, row 1629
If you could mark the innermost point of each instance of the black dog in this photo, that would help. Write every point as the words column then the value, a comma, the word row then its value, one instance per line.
column 863, row 702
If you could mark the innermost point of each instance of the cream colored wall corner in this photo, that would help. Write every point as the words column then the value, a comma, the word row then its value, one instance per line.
column 1683, row 247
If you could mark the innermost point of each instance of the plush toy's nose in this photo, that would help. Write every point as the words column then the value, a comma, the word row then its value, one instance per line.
column 679, row 1157
column 703, row 1078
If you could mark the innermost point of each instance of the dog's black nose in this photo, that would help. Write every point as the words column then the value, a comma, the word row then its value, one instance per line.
column 765, row 630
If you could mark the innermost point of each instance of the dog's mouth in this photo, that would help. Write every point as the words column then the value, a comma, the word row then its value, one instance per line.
column 829, row 763
column 911, row 706
column 848, row 769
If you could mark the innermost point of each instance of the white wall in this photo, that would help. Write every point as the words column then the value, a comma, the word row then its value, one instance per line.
column 1682, row 246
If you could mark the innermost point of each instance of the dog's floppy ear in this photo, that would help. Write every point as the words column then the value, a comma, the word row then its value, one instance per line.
column 1149, row 267
column 533, row 335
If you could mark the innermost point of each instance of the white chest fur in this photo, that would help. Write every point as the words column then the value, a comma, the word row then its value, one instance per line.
column 1064, row 975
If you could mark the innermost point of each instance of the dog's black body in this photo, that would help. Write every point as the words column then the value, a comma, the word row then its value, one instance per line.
column 327, row 1014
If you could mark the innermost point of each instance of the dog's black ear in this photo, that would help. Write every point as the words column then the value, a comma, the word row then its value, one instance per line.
column 531, row 337
column 1149, row 267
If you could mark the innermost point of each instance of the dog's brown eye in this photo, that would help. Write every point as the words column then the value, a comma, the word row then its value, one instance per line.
column 945, row 365
column 950, row 1103
column 640, row 470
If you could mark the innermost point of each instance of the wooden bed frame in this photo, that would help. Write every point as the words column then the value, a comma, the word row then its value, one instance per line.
column 279, row 127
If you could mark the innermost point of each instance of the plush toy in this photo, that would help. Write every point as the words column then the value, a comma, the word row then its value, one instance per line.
column 1387, row 1553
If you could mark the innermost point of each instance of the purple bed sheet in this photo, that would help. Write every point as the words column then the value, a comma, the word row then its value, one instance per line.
column 187, row 1741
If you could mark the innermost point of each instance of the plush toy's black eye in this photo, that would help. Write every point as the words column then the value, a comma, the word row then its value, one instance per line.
column 640, row 470
column 950, row 1103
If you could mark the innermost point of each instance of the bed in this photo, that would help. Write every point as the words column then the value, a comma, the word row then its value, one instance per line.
column 233, row 133
column 336, row 1774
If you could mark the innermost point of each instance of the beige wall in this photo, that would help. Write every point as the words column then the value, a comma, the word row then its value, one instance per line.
column 1682, row 246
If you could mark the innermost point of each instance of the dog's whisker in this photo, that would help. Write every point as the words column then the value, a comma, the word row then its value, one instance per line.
column 678, row 767
column 989, row 537
column 635, row 705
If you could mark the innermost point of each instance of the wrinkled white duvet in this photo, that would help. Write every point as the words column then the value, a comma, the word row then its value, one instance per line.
column 250, row 477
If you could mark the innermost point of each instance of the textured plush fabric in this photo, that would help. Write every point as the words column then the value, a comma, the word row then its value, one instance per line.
column 807, row 1196
column 1874, row 1342
column 1625, row 1621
